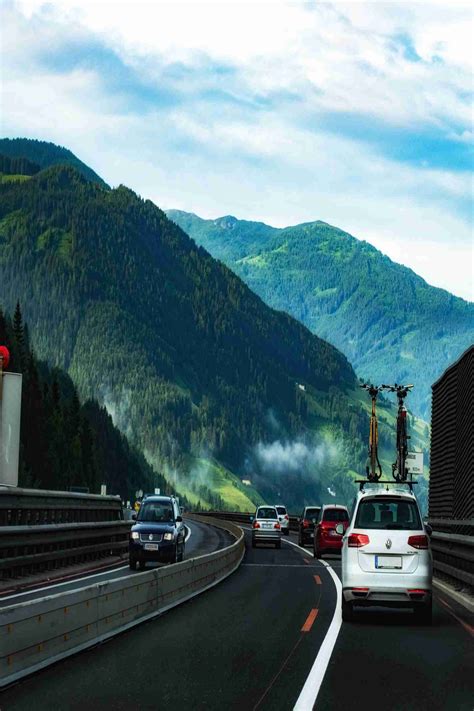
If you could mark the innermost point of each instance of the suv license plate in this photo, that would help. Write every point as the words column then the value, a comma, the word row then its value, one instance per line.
column 151, row 546
column 393, row 562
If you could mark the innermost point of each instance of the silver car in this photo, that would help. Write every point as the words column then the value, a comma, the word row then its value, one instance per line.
column 266, row 526
column 284, row 519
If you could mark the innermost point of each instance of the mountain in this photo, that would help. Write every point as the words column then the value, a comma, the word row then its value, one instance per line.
column 45, row 155
column 64, row 442
column 391, row 324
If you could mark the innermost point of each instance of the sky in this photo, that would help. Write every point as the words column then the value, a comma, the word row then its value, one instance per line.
column 355, row 113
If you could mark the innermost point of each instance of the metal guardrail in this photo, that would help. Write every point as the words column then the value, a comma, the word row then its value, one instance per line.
column 453, row 553
column 40, row 632
column 243, row 517
column 45, row 530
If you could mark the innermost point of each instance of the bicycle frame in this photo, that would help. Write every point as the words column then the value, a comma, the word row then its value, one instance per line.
column 374, row 472
column 399, row 471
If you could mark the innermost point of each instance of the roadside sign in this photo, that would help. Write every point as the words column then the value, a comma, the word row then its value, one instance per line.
column 157, row 492
column 414, row 462
column 103, row 489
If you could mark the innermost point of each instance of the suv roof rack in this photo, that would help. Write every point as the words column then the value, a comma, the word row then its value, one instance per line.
column 362, row 482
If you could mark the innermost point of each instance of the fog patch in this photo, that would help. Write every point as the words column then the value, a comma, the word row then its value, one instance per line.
column 293, row 456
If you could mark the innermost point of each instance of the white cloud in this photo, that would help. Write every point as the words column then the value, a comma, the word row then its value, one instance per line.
column 266, row 153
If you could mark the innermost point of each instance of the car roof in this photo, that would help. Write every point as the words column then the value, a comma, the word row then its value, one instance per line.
column 389, row 493
column 163, row 499
column 334, row 506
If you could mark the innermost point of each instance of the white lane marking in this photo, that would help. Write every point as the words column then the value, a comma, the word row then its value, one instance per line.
column 309, row 692
column 188, row 535
column 58, row 585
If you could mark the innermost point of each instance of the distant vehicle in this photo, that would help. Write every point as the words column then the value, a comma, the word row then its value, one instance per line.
column 306, row 524
column 326, row 539
column 284, row 519
column 386, row 556
column 266, row 527
column 159, row 533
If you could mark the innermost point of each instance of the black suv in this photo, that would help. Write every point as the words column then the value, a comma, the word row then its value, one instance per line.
column 159, row 532
column 306, row 524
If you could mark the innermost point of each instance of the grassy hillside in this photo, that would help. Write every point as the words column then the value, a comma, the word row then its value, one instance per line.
column 390, row 323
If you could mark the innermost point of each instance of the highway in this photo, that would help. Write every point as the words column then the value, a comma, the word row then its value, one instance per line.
column 200, row 539
column 251, row 643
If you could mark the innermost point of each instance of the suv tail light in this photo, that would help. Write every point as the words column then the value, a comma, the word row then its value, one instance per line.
column 305, row 523
column 277, row 525
column 419, row 542
column 357, row 540
column 256, row 524
column 287, row 518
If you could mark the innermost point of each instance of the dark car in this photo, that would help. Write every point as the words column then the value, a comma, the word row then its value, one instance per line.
column 326, row 538
column 158, row 534
column 306, row 524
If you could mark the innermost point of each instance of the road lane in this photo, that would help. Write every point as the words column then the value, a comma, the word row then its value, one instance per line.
column 203, row 539
column 390, row 661
column 237, row 646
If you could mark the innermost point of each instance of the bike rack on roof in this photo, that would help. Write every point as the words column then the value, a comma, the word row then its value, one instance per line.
column 361, row 483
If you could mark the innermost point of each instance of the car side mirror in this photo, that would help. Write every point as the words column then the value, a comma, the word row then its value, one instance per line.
column 428, row 529
column 179, row 519
column 340, row 529
column 134, row 516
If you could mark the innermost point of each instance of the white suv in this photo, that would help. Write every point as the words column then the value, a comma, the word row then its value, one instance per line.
column 386, row 556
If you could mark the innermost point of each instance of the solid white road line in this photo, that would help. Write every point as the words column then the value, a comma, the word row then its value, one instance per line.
column 309, row 692
column 188, row 535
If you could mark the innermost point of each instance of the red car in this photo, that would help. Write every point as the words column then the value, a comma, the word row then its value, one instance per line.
column 326, row 540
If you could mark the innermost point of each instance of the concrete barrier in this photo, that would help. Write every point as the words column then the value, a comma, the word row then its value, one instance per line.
column 40, row 632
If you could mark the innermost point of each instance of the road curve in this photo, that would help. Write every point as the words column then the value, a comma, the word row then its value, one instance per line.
column 250, row 643
column 201, row 539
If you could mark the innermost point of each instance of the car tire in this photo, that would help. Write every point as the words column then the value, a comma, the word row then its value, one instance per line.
column 317, row 551
column 181, row 553
column 141, row 564
column 287, row 531
column 132, row 563
column 254, row 545
column 278, row 545
column 347, row 611
column 300, row 540
column 424, row 613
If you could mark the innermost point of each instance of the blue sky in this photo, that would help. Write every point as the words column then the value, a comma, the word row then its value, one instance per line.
column 359, row 114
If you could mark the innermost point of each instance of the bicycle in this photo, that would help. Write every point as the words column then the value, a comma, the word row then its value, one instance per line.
column 399, row 470
column 372, row 474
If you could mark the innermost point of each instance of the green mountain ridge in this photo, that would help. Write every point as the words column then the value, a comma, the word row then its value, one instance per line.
column 389, row 322
column 195, row 369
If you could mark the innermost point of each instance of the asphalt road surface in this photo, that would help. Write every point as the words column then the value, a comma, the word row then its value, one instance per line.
column 251, row 642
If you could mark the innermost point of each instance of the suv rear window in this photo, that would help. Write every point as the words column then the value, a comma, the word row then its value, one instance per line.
column 311, row 513
column 281, row 510
column 266, row 513
column 335, row 515
column 388, row 514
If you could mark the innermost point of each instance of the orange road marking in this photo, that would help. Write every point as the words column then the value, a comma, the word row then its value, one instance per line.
column 318, row 579
column 309, row 620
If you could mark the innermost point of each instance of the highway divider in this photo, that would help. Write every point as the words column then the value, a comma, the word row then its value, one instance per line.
column 40, row 632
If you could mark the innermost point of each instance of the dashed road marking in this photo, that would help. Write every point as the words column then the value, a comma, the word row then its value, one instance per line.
column 310, row 620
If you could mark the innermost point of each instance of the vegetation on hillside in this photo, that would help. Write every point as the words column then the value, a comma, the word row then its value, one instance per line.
column 390, row 323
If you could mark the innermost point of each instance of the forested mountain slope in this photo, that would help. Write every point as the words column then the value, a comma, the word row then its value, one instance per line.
column 390, row 323
column 207, row 380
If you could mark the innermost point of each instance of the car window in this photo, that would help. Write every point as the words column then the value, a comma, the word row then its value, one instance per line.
column 335, row 515
column 266, row 512
column 158, row 512
column 281, row 510
column 388, row 514
column 312, row 513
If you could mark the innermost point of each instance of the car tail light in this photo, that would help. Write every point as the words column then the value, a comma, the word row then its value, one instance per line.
column 417, row 592
column 419, row 542
column 256, row 524
column 360, row 591
column 277, row 525
column 357, row 540
column 287, row 518
column 305, row 523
